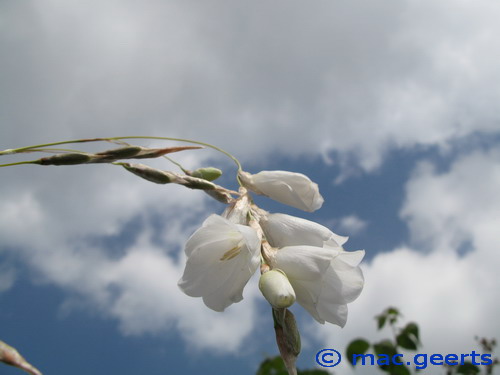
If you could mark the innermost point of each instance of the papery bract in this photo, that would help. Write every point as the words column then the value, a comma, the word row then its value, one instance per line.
column 293, row 189
column 222, row 256
column 324, row 279
column 237, row 211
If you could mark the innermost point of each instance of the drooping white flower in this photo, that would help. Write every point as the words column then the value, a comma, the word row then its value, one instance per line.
column 325, row 280
column 276, row 288
column 293, row 189
column 222, row 256
column 286, row 230
column 323, row 275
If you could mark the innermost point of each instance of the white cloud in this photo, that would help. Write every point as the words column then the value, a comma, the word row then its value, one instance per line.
column 352, row 224
column 138, row 287
column 69, row 228
column 448, row 209
column 354, row 78
column 361, row 78
column 7, row 277
column 450, row 295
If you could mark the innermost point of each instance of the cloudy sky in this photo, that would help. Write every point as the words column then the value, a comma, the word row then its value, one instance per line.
column 390, row 106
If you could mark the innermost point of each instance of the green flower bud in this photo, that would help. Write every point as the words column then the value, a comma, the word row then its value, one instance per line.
column 276, row 288
column 117, row 153
column 209, row 173
column 196, row 183
column 65, row 159
column 151, row 174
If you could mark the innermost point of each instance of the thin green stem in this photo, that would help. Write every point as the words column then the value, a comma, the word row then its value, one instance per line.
column 176, row 163
column 54, row 150
column 28, row 148
column 19, row 163
column 187, row 141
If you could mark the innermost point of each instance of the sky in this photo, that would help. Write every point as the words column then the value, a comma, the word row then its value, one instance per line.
column 390, row 106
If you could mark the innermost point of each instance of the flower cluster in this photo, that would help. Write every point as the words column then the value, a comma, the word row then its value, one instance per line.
column 300, row 260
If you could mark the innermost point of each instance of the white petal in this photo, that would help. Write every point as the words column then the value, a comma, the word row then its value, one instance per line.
column 232, row 290
column 293, row 189
column 308, row 296
column 323, row 291
column 210, row 231
column 222, row 257
column 333, row 313
column 348, row 279
column 286, row 230
column 341, row 284
column 307, row 293
column 304, row 262
column 351, row 258
column 221, row 299
column 201, row 278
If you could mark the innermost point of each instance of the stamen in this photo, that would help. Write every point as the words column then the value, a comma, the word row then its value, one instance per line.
column 230, row 254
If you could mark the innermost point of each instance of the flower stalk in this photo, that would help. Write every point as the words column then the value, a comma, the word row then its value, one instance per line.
column 287, row 338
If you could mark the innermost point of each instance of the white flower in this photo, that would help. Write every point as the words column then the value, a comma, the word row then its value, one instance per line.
column 293, row 189
column 276, row 288
column 324, row 279
column 324, row 276
column 222, row 256
column 286, row 230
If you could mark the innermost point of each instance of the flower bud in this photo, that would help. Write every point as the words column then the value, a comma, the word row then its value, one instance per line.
column 196, row 183
column 209, row 173
column 11, row 356
column 293, row 189
column 117, row 154
column 276, row 288
column 65, row 159
column 151, row 174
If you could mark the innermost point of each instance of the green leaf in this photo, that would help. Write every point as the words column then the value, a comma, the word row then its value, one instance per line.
column 358, row 346
column 398, row 370
column 381, row 319
column 391, row 315
column 467, row 369
column 384, row 347
column 312, row 372
column 386, row 351
column 408, row 337
column 392, row 311
column 406, row 341
column 272, row 366
column 413, row 329
column 275, row 366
